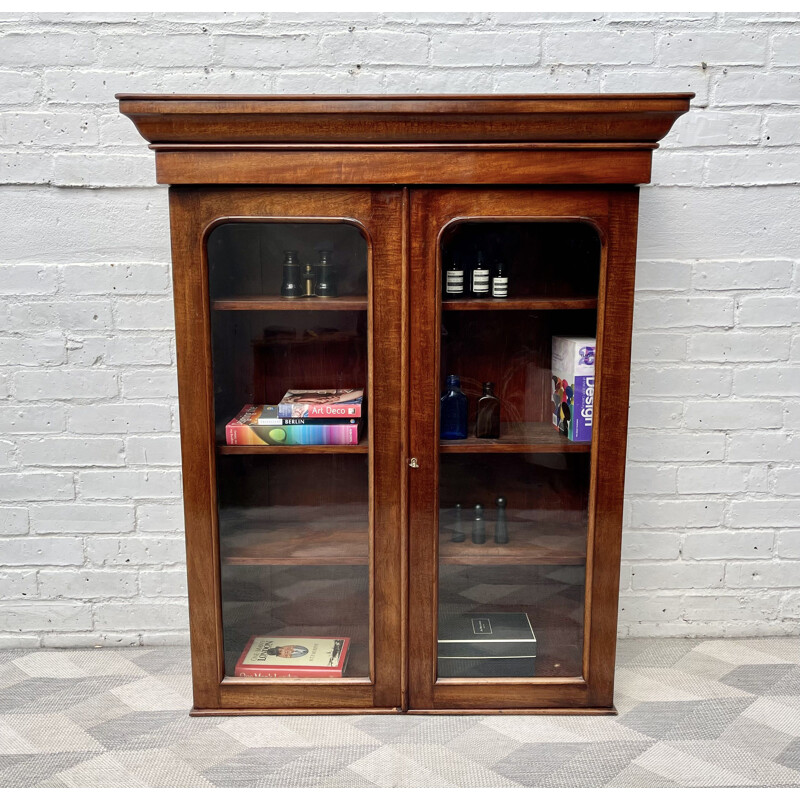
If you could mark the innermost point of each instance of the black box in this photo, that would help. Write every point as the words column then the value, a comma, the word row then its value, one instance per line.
column 486, row 646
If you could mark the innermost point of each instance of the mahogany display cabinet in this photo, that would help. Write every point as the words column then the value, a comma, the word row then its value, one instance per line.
column 376, row 542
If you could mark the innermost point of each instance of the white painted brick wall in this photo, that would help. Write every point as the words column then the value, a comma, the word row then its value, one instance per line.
column 90, row 514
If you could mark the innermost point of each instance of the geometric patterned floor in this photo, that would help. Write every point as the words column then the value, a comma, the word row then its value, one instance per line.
column 692, row 712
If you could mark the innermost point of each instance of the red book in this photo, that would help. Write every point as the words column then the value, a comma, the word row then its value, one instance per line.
column 294, row 657
column 321, row 403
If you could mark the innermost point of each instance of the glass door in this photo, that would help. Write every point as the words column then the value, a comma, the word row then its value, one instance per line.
column 505, row 426
column 306, row 498
column 290, row 345
column 513, row 485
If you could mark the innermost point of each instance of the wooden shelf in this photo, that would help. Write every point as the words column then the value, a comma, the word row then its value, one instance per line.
column 297, row 545
column 294, row 536
column 521, row 304
column 306, row 537
column 294, row 449
column 278, row 303
column 359, row 303
column 529, row 543
column 518, row 437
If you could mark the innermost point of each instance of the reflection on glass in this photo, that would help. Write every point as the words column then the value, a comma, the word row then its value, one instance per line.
column 513, row 494
column 293, row 519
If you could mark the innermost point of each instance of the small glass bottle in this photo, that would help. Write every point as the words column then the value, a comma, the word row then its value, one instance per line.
column 326, row 276
column 308, row 281
column 478, row 526
column 458, row 531
column 479, row 283
column 501, row 526
column 500, row 281
column 453, row 411
column 454, row 281
column 487, row 423
column 291, row 286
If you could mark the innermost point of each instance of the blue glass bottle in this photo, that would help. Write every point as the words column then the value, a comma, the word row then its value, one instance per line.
column 454, row 410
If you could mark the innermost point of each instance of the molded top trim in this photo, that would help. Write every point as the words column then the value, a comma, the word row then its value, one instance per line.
column 392, row 119
column 404, row 98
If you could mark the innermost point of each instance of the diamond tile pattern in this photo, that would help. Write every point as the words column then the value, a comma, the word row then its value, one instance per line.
column 691, row 713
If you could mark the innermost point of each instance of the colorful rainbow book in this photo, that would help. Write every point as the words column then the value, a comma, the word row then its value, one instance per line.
column 249, row 427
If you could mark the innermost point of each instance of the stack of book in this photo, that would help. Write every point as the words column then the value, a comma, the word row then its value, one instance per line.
column 303, row 417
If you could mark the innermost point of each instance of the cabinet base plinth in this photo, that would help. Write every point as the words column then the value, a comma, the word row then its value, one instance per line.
column 285, row 712
column 553, row 712
column 290, row 712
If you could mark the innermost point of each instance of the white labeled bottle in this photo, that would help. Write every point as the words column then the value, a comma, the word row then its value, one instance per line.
column 479, row 283
column 500, row 281
column 454, row 280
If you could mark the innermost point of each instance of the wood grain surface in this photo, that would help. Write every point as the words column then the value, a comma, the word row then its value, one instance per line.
column 267, row 303
column 415, row 118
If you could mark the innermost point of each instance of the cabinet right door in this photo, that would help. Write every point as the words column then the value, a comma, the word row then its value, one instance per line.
column 515, row 532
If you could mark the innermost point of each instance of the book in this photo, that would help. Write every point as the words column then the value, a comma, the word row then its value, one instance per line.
column 321, row 403
column 268, row 415
column 246, row 428
column 294, row 657
column 573, row 386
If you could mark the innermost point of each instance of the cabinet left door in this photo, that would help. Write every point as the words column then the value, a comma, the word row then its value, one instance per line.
column 295, row 530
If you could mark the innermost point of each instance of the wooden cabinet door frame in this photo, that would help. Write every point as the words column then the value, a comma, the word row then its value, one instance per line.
column 613, row 211
column 381, row 213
